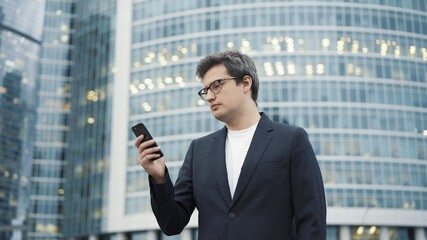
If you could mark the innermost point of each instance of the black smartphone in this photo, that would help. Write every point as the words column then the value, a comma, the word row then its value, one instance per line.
column 140, row 129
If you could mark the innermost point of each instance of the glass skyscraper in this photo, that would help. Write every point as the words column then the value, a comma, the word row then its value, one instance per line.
column 45, row 213
column 20, row 36
column 88, row 152
column 352, row 73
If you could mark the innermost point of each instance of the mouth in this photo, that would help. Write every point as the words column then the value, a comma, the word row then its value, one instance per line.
column 214, row 106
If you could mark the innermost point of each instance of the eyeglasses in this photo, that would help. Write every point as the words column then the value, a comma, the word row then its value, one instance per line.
column 215, row 87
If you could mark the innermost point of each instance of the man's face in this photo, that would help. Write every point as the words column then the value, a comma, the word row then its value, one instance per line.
column 226, row 103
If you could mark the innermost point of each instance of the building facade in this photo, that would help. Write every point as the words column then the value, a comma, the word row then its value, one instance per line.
column 88, row 152
column 45, row 213
column 352, row 73
column 20, row 38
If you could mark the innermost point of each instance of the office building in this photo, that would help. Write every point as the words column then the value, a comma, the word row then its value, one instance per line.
column 352, row 73
column 90, row 130
column 45, row 213
column 20, row 35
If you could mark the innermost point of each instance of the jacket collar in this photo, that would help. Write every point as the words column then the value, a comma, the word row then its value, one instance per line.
column 259, row 143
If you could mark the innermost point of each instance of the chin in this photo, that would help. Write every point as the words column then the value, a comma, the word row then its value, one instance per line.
column 220, row 116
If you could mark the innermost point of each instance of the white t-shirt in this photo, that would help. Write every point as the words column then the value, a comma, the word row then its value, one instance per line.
column 236, row 148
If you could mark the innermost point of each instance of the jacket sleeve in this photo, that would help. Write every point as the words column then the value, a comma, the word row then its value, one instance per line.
column 173, row 205
column 308, row 194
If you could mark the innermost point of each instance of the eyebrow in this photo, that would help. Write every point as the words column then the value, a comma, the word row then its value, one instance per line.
column 222, row 78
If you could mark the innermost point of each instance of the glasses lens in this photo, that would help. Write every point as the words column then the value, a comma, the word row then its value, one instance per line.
column 202, row 93
column 215, row 87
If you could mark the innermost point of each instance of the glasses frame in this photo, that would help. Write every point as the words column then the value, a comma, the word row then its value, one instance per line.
column 203, row 93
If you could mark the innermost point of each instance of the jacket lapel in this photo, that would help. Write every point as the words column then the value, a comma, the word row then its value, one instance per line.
column 217, row 159
column 259, row 143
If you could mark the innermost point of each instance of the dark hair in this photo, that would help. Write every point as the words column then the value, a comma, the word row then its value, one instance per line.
column 237, row 64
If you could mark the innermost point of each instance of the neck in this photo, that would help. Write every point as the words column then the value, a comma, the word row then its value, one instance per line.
column 245, row 119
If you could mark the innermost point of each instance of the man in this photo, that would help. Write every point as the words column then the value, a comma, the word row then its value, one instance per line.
column 253, row 179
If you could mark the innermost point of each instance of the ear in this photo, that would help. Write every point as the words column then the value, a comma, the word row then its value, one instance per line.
column 247, row 83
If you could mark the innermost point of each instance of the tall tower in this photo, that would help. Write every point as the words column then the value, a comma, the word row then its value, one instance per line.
column 352, row 73
column 20, row 34
column 88, row 154
column 45, row 213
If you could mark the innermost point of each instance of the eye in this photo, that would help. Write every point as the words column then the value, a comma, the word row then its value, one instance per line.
column 216, row 84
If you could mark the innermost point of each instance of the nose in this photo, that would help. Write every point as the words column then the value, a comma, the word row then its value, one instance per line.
column 210, row 96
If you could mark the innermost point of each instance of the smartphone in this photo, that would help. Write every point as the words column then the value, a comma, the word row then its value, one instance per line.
column 140, row 129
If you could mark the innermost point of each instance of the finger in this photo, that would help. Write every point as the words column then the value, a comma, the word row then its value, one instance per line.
column 138, row 141
column 150, row 150
column 147, row 151
column 146, row 144
column 147, row 159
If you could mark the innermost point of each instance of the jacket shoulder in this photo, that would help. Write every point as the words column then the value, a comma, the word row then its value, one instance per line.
column 287, row 128
column 209, row 137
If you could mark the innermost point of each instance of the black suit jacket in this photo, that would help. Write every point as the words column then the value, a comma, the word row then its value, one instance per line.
column 279, row 194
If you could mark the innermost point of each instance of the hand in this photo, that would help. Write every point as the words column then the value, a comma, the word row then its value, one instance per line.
column 148, row 159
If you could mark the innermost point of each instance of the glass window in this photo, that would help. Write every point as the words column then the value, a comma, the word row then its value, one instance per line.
column 139, row 236
column 401, row 233
column 365, row 232
column 332, row 233
column 164, row 237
